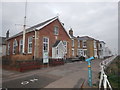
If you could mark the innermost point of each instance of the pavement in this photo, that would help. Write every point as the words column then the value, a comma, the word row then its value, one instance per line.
column 69, row 75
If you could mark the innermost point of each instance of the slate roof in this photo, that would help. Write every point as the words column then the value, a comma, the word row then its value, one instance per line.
column 2, row 40
column 102, row 42
column 37, row 27
column 85, row 38
column 56, row 43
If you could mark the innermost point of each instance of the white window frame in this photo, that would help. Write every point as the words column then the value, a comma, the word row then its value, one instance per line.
column 56, row 30
column 95, row 45
column 84, row 42
column 65, row 44
column 79, row 52
column 78, row 43
column 20, row 44
column 85, row 52
column 47, row 43
column 8, row 48
column 14, row 46
column 30, row 42
column 72, row 42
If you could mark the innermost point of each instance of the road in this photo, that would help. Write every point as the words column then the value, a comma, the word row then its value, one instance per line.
column 64, row 76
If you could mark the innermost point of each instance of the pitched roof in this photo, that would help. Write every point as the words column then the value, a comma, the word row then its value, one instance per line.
column 56, row 43
column 102, row 42
column 36, row 27
column 2, row 40
column 85, row 38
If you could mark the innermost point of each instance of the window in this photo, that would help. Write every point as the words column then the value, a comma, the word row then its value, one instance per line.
column 65, row 44
column 57, row 50
column 45, row 44
column 78, row 43
column 84, row 43
column 14, row 46
column 21, row 46
column 72, row 52
column 30, row 45
column 80, row 52
column 94, row 44
column 56, row 30
column 85, row 53
column 8, row 52
column 100, row 45
column 72, row 42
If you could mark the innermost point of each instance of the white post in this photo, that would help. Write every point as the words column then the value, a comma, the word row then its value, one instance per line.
column 105, row 82
column 109, row 85
column 24, row 27
column 101, row 77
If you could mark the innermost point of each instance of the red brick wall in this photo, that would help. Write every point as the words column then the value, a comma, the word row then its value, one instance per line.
column 17, row 55
column 47, row 31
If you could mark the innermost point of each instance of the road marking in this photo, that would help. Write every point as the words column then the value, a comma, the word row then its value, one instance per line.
column 27, row 82
column 24, row 82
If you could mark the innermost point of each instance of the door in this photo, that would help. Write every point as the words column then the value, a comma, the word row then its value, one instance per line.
column 45, row 50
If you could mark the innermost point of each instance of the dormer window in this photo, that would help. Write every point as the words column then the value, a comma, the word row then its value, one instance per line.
column 56, row 30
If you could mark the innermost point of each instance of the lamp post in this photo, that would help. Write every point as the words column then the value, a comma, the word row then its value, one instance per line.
column 89, row 71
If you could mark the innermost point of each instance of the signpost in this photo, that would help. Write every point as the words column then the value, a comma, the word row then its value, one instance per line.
column 89, row 71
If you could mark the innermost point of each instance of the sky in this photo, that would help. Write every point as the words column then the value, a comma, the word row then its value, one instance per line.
column 95, row 19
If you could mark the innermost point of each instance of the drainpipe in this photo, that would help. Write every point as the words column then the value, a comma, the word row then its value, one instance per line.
column 35, row 44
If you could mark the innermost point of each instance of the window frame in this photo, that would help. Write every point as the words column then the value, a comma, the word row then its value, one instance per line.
column 46, row 43
column 14, row 46
column 20, row 44
column 72, row 42
column 84, row 41
column 29, row 44
column 56, row 30
column 78, row 43
column 8, row 48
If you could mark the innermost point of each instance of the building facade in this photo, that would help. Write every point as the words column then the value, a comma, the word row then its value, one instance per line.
column 47, row 38
column 87, row 47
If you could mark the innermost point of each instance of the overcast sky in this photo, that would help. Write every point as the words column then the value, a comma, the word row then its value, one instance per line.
column 96, row 19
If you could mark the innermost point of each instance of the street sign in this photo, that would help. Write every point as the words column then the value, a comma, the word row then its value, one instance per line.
column 45, row 57
column 89, row 71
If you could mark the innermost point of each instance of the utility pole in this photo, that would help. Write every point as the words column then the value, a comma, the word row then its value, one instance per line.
column 24, row 27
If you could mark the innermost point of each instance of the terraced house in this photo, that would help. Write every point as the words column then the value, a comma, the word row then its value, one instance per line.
column 87, row 47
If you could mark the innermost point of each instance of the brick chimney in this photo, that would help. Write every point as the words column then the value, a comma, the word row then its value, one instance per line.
column 7, row 34
column 71, row 32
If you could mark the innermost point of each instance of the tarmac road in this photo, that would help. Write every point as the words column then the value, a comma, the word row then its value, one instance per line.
column 64, row 76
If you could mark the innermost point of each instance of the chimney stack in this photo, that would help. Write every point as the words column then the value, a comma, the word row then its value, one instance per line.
column 7, row 34
column 71, row 32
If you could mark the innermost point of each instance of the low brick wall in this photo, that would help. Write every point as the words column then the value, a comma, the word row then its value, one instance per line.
column 23, row 66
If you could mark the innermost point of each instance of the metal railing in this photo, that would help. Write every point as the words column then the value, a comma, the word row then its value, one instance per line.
column 103, row 76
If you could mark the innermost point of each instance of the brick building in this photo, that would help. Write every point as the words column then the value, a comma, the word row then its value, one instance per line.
column 87, row 47
column 48, row 38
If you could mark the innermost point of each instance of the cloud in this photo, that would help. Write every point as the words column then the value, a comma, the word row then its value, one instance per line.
column 95, row 19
